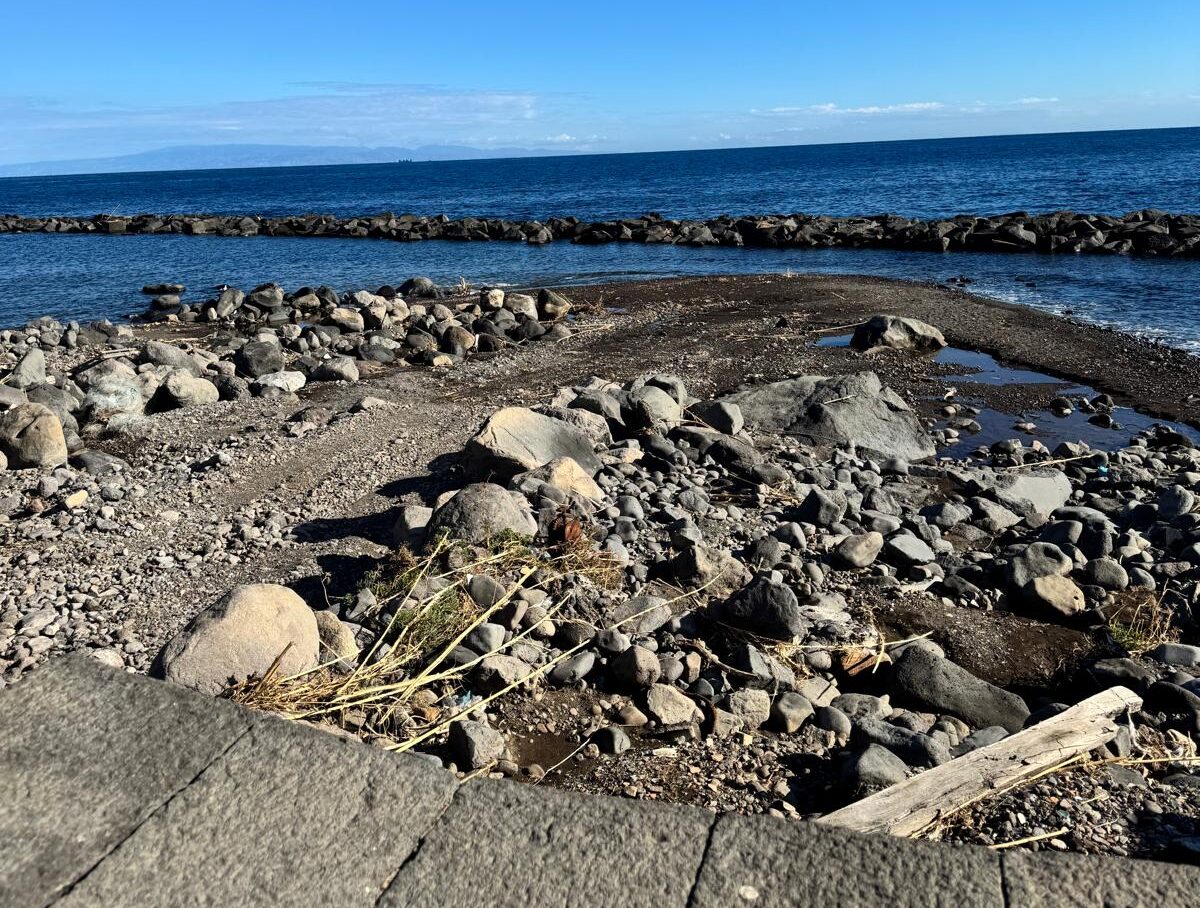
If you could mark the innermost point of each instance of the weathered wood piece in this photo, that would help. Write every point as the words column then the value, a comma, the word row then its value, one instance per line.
column 912, row 805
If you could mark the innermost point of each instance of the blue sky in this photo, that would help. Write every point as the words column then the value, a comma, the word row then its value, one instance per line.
column 86, row 79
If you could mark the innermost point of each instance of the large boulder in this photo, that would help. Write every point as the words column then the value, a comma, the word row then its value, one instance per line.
column 11, row 397
column 1060, row 595
column 651, row 409
column 112, row 389
column 717, row 571
column 183, row 389
column 241, row 635
column 565, row 475
column 421, row 287
column 258, row 358
column 671, row 707
column 515, row 440
column 287, row 381
column 32, row 436
column 483, row 511
column 61, row 403
column 1041, row 491
column 872, row 768
column 475, row 745
column 844, row 410
column 1038, row 559
column 897, row 333
column 768, row 610
column 29, row 372
column 162, row 354
column 350, row 321
column 336, row 368
column 924, row 680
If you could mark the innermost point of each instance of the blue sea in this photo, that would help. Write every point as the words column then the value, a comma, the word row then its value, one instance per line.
column 1113, row 172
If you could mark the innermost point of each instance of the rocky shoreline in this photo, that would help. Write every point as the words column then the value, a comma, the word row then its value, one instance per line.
column 265, row 343
column 1147, row 232
column 680, row 553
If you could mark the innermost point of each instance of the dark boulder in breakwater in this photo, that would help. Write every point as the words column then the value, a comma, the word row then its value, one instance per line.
column 1145, row 232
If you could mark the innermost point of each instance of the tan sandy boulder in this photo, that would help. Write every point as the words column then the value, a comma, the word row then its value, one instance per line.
column 32, row 436
column 566, row 475
column 241, row 635
column 337, row 640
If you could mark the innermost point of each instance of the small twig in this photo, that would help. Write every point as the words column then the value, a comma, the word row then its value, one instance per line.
column 835, row 327
column 271, row 669
column 563, row 760
column 1049, row 463
column 999, row 846
column 482, row 770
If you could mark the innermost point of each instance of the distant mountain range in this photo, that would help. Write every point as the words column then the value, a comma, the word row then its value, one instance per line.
column 205, row 157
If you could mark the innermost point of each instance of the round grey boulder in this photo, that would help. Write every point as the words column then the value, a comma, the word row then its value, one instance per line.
column 873, row 768
column 858, row 551
column 897, row 333
column 258, row 358
column 482, row 511
column 183, row 389
column 241, row 635
column 636, row 666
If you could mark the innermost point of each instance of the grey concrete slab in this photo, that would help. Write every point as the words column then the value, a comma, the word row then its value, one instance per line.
column 505, row 845
column 289, row 816
column 86, row 755
column 765, row 863
column 1088, row 881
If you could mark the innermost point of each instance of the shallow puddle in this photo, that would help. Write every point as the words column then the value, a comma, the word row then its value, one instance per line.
column 997, row 425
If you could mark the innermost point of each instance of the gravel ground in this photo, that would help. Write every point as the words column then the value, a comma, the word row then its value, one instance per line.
column 234, row 492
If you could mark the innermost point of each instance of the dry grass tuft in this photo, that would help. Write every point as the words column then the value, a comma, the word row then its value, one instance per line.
column 1141, row 621
column 400, row 689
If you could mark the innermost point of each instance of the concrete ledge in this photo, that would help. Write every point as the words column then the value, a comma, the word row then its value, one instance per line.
column 767, row 863
column 1042, row 880
column 87, row 754
column 288, row 816
column 506, row 844
column 119, row 790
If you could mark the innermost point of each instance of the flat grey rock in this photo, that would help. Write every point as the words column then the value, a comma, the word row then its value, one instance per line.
column 761, row 862
column 854, row 409
column 504, row 844
column 289, row 816
column 86, row 755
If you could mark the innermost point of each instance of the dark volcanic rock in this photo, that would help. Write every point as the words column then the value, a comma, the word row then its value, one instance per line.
column 768, row 609
column 925, row 680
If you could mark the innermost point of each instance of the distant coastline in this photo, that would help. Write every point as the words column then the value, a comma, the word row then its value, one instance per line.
column 174, row 159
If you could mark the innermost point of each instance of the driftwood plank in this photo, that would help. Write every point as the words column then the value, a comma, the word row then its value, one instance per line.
column 912, row 805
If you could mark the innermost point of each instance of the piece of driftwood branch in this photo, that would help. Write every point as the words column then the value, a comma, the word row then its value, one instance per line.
column 909, row 807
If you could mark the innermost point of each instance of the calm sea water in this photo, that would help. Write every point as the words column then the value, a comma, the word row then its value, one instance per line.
column 91, row 276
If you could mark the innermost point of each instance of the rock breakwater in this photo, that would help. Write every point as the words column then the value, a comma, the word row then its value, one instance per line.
column 1147, row 232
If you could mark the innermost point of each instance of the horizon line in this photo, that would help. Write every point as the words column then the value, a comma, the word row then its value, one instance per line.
column 534, row 153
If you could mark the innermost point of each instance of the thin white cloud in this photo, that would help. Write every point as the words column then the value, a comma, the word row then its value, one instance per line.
column 1037, row 100
column 324, row 114
column 870, row 110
